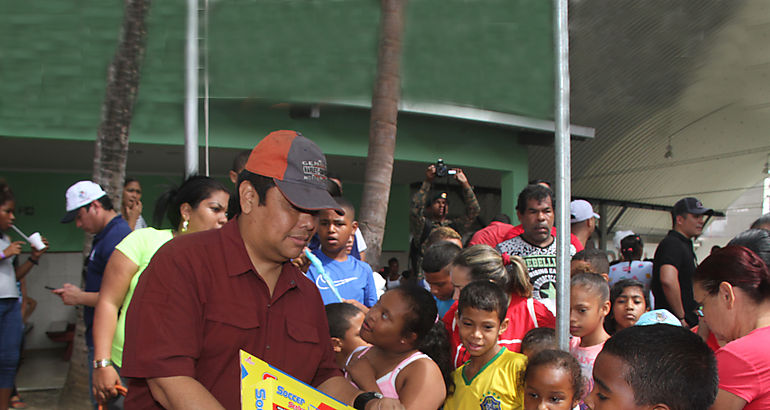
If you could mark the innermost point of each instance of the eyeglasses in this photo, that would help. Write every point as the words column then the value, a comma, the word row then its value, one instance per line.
column 699, row 311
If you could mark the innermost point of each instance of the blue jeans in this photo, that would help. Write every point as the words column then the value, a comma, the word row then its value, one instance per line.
column 10, row 340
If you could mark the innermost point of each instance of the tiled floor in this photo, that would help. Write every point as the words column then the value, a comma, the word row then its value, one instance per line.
column 42, row 370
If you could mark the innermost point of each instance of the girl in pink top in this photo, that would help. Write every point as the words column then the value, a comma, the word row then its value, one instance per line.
column 409, row 356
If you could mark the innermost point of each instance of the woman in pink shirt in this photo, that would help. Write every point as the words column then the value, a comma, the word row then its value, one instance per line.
column 732, row 287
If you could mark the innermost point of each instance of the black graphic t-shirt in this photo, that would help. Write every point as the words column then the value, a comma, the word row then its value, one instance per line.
column 541, row 263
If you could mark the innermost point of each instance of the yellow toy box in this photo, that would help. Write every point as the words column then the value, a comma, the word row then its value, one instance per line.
column 263, row 387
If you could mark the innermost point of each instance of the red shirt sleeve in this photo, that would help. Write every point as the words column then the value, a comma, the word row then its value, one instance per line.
column 163, row 326
column 544, row 316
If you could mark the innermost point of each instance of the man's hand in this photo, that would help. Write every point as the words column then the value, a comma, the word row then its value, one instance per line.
column 70, row 294
column 13, row 249
column 105, row 380
column 460, row 177
column 430, row 173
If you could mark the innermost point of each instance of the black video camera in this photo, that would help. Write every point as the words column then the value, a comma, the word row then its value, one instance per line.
column 442, row 170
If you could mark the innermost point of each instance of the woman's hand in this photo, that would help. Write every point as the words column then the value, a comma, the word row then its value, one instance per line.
column 13, row 249
column 105, row 380
column 361, row 372
column 35, row 254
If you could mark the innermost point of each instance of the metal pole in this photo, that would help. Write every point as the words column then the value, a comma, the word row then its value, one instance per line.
column 191, row 97
column 562, row 144
column 603, row 231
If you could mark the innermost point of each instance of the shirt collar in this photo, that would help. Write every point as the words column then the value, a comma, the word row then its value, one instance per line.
column 237, row 261
column 114, row 221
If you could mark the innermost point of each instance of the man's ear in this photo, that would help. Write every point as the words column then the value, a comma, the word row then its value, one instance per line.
column 233, row 177
column 354, row 224
column 248, row 197
column 336, row 344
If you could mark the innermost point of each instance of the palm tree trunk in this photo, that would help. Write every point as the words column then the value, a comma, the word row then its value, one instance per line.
column 382, row 129
column 110, row 152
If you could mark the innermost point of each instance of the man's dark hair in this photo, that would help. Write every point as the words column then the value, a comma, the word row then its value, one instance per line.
column 597, row 258
column 504, row 218
column 439, row 255
column 540, row 338
column 536, row 192
column 333, row 188
column 260, row 183
column 106, row 202
column 239, row 162
column 483, row 295
column 757, row 241
column 393, row 259
column 540, row 181
column 338, row 315
column 763, row 220
column 666, row 364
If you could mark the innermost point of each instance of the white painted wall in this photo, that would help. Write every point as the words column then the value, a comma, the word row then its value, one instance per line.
column 54, row 270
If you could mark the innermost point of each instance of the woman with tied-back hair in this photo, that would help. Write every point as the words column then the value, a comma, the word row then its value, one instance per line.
column 482, row 262
column 199, row 204
column 732, row 290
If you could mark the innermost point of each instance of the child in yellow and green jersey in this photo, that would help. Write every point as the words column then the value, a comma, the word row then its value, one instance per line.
column 490, row 379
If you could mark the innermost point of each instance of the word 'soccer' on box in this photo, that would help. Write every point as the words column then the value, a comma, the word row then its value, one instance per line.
column 263, row 387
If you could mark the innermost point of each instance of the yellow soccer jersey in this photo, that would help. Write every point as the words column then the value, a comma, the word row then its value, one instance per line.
column 495, row 387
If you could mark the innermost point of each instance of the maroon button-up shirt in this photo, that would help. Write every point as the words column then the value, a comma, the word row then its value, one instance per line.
column 200, row 300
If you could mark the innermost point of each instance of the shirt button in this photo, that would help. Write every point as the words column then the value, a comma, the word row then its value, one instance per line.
column 268, row 305
column 268, row 347
column 291, row 283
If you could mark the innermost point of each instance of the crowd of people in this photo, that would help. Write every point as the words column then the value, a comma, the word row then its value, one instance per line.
column 276, row 267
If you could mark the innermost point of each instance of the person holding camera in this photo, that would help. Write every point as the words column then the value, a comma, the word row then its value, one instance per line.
column 424, row 216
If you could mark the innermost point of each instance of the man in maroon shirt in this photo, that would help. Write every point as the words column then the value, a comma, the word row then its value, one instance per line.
column 206, row 295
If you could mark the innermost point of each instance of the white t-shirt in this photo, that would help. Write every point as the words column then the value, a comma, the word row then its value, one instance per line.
column 360, row 242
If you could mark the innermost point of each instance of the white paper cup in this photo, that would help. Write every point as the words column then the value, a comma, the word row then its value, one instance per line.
column 36, row 241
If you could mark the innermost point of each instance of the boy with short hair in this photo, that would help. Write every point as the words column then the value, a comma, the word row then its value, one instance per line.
column 345, row 322
column 660, row 367
column 490, row 379
column 341, row 277
column 590, row 303
column 436, row 263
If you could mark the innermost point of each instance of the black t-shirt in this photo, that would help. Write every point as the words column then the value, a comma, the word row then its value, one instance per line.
column 676, row 250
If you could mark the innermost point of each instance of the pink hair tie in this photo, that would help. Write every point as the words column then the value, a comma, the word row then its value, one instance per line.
column 506, row 259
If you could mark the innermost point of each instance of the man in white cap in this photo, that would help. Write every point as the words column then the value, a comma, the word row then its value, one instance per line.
column 91, row 209
column 583, row 220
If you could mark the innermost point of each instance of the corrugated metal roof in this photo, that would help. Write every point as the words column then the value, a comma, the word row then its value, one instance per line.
column 648, row 74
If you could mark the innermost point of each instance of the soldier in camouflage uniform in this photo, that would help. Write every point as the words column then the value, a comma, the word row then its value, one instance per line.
column 422, row 220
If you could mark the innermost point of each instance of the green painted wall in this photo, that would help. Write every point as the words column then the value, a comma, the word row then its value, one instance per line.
column 490, row 54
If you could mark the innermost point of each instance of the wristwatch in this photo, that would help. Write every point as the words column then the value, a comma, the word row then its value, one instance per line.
column 360, row 402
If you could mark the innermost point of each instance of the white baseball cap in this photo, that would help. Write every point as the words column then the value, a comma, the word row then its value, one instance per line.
column 619, row 235
column 581, row 210
column 78, row 195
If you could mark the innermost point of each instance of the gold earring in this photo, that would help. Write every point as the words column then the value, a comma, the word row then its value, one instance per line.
column 184, row 225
